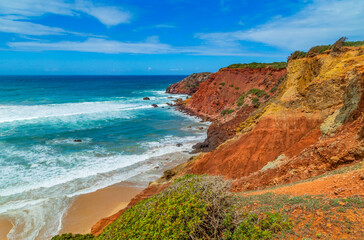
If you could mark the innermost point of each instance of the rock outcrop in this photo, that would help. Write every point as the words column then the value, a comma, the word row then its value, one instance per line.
column 224, row 88
column 226, row 98
column 189, row 85
column 312, row 125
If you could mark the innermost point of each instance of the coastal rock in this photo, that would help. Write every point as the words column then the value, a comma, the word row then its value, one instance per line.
column 189, row 85
column 77, row 140
column 155, row 105
column 290, row 124
column 146, row 98
column 224, row 88
column 179, row 144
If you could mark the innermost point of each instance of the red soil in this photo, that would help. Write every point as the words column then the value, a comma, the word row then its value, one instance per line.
column 210, row 100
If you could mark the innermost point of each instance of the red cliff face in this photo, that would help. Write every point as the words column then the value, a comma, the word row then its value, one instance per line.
column 189, row 85
column 223, row 89
column 301, row 132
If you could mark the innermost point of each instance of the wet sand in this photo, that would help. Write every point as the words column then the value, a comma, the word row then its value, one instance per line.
column 5, row 227
column 89, row 208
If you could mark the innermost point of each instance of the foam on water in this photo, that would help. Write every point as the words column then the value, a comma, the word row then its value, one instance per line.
column 123, row 139
column 38, row 209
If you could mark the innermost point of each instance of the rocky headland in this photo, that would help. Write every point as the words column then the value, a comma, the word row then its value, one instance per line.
column 286, row 142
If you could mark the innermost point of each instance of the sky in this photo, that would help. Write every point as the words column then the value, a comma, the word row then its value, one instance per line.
column 165, row 37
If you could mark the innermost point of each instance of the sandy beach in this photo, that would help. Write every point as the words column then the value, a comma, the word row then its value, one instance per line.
column 89, row 208
column 5, row 227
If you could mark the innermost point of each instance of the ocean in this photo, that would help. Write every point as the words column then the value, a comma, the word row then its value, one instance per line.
column 123, row 138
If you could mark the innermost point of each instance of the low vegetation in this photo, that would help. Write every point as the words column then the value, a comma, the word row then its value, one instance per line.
column 241, row 99
column 193, row 207
column 276, row 65
column 257, row 92
column 322, row 48
column 354, row 44
column 201, row 207
column 255, row 102
column 227, row 111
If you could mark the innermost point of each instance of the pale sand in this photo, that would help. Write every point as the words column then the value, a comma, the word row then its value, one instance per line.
column 87, row 209
column 5, row 227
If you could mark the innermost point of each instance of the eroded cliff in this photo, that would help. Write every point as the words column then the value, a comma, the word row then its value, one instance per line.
column 301, row 124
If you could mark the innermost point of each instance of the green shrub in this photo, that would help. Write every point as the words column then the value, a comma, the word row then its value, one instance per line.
column 241, row 99
column 70, row 236
column 278, row 65
column 256, row 227
column 297, row 55
column 231, row 85
column 226, row 111
column 237, row 88
column 257, row 92
column 222, row 84
column 193, row 207
column 214, row 83
column 255, row 102
column 220, row 88
column 273, row 89
column 353, row 44
column 318, row 50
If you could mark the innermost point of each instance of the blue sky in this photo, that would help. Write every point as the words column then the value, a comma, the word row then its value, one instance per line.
column 165, row 36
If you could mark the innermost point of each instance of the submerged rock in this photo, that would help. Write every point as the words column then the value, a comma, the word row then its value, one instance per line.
column 77, row 140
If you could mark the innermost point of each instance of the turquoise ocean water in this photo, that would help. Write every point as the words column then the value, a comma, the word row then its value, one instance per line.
column 123, row 139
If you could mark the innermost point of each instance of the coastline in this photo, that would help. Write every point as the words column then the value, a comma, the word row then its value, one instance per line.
column 87, row 209
column 5, row 227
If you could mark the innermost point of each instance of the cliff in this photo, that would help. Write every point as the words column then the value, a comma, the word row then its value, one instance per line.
column 229, row 96
column 313, row 124
column 294, row 131
column 189, row 85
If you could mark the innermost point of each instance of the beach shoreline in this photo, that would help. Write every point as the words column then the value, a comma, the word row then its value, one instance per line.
column 5, row 227
column 87, row 209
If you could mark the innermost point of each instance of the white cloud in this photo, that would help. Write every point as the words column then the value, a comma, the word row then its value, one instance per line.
column 28, row 28
column 151, row 45
column 321, row 22
column 25, row 10
column 31, row 8
column 108, row 15
column 96, row 45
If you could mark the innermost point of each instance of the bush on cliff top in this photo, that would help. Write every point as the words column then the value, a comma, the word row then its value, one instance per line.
column 277, row 65
column 354, row 44
column 322, row 48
